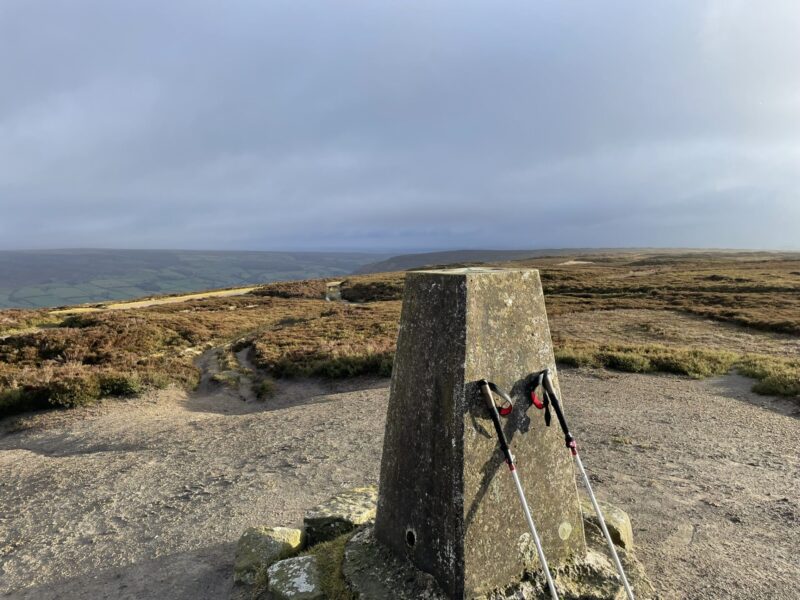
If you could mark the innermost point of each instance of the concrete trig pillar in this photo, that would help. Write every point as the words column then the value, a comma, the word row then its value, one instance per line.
column 446, row 499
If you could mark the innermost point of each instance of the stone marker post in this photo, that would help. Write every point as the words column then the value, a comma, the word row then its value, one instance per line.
column 446, row 499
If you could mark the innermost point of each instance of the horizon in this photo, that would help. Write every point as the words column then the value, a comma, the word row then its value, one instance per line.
column 400, row 251
column 85, row 276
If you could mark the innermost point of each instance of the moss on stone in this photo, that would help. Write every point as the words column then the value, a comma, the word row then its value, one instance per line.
column 330, row 556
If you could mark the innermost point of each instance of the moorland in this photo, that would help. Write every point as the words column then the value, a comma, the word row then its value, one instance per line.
column 195, row 417
column 694, row 314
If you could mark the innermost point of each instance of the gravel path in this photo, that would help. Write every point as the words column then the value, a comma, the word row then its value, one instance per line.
column 145, row 499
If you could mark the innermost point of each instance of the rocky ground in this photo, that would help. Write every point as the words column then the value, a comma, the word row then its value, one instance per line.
column 146, row 498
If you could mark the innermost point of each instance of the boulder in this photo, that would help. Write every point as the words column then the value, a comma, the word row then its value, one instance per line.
column 259, row 547
column 295, row 579
column 617, row 521
column 341, row 514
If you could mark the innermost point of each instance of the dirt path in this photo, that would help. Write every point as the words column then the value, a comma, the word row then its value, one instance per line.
column 145, row 499
column 155, row 301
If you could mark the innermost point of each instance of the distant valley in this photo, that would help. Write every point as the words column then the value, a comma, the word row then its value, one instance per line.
column 46, row 278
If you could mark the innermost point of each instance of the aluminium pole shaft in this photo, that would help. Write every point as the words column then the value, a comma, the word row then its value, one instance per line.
column 487, row 393
column 602, row 521
column 537, row 542
column 573, row 448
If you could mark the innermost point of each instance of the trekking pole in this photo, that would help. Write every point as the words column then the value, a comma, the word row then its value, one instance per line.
column 487, row 387
column 550, row 397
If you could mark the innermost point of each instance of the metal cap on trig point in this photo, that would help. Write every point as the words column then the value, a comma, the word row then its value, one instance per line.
column 445, row 500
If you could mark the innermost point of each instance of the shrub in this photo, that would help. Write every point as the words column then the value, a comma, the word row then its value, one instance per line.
column 626, row 361
column 17, row 400
column 159, row 381
column 74, row 390
column 338, row 367
column 694, row 363
column 373, row 288
column 265, row 389
column 120, row 385
column 309, row 288
column 343, row 367
column 343, row 341
column 775, row 376
column 576, row 357
column 226, row 378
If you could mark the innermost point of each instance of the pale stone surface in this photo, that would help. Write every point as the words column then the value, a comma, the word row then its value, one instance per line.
column 295, row 579
column 259, row 547
column 446, row 499
column 591, row 578
column 340, row 514
column 617, row 520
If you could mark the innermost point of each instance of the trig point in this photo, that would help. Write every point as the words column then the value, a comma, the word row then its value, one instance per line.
column 446, row 501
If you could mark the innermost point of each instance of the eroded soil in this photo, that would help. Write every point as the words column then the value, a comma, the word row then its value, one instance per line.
column 146, row 498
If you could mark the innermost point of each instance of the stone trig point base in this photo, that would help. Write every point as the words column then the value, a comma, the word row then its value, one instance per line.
column 446, row 499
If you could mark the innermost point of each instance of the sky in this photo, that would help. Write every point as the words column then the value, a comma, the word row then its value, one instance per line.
column 399, row 125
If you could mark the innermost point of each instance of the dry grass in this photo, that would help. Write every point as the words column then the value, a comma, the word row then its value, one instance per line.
column 756, row 290
column 17, row 321
column 330, row 556
column 341, row 340
column 649, row 359
column 667, row 328
column 148, row 347
column 774, row 376
column 312, row 289
column 630, row 312
column 373, row 288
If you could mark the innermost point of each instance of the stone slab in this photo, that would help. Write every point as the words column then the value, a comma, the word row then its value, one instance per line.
column 259, row 547
column 295, row 579
column 340, row 514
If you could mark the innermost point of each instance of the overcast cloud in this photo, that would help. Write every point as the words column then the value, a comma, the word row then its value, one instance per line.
column 399, row 124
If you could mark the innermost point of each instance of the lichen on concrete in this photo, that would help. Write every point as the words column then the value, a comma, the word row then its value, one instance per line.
column 591, row 577
column 375, row 573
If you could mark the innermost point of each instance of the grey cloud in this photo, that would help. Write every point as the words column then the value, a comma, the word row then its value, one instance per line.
column 399, row 124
